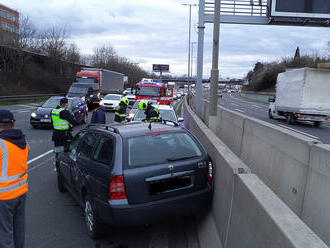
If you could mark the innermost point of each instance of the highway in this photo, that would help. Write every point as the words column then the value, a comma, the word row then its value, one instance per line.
column 259, row 110
column 54, row 219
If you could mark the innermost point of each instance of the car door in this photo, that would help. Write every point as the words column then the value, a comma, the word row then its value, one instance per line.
column 76, row 111
column 100, row 168
column 80, row 170
column 70, row 158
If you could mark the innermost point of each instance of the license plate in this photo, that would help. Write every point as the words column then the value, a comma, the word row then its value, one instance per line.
column 170, row 184
column 45, row 120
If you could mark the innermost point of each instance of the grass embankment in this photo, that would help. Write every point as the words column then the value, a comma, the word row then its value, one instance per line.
column 7, row 103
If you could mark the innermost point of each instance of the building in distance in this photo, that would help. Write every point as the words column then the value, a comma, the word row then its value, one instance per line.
column 9, row 26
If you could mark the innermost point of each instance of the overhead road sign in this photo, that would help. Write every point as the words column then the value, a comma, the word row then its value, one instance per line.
column 275, row 12
column 159, row 67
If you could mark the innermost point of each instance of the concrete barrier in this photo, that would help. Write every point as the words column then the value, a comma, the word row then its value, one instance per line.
column 245, row 212
column 230, row 129
column 257, row 96
column 316, row 208
column 279, row 157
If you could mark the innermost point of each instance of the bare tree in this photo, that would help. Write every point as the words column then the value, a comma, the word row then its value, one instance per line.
column 27, row 34
column 104, row 56
column 72, row 54
column 53, row 42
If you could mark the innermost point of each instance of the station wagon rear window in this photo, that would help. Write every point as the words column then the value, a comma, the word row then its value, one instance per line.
column 161, row 148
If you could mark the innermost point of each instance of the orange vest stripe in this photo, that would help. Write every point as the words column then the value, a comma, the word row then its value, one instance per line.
column 13, row 168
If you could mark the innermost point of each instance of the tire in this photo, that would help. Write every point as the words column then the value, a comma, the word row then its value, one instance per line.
column 91, row 220
column 290, row 119
column 317, row 123
column 60, row 181
column 270, row 115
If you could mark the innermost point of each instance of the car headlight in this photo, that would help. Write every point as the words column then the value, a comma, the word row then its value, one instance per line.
column 46, row 116
column 33, row 115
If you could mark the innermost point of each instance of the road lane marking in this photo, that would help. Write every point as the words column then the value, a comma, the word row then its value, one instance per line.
column 41, row 164
column 40, row 156
column 301, row 132
column 235, row 104
column 242, row 111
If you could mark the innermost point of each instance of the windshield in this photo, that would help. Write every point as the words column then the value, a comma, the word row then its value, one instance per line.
column 147, row 91
column 167, row 114
column 51, row 103
column 162, row 148
column 54, row 102
column 112, row 97
column 77, row 90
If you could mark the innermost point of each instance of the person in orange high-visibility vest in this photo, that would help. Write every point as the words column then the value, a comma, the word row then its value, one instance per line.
column 13, row 182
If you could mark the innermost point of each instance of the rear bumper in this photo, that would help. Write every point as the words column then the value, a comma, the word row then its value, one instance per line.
column 129, row 215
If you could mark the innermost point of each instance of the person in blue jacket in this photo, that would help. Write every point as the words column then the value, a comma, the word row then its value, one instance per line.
column 98, row 116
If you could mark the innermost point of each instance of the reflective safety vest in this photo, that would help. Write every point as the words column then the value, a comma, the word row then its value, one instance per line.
column 58, row 123
column 13, row 169
column 156, row 118
column 120, row 114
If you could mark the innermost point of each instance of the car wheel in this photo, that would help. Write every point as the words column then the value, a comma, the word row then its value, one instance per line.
column 270, row 115
column 290, row 119
column 92, row 223
column 85, row 118
column 60, row 181
column 317, row 123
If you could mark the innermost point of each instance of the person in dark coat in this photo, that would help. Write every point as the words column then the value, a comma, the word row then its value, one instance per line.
column 98, row 116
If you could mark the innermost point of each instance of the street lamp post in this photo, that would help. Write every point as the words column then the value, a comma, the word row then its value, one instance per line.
column 192, row 59
column 189, row 42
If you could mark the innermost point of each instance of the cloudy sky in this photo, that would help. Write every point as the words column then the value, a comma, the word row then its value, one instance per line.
column 156, row 31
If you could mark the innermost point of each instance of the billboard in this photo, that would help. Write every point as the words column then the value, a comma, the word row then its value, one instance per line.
column 319, row 9
column 162, row 68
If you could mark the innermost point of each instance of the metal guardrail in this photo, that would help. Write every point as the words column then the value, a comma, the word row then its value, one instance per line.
column 16, row 98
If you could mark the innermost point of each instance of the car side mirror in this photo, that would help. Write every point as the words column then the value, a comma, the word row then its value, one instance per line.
column 180, row 119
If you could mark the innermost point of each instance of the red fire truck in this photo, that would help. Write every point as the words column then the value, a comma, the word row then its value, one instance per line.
column 151, row 89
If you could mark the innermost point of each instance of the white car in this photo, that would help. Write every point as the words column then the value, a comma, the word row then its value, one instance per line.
column 111, row 101
column 131, row 98
column 166, row 111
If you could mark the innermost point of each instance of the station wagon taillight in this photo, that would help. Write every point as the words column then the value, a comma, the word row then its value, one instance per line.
column 117, row 188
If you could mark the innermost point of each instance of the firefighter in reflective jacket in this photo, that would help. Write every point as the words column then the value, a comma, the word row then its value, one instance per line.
column 151, row 112
column 63, row 121
column 13, row 182
column 120, row 111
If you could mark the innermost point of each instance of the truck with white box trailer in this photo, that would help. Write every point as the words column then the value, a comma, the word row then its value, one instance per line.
column 302, row 95
column 108, row 81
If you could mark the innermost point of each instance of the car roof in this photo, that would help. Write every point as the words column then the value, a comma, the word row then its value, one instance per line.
column 164, row 107
column 133, row 129
column 113, row 95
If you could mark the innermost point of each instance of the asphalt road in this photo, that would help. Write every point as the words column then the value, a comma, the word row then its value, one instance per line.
column 260, row 111
column 54, row 220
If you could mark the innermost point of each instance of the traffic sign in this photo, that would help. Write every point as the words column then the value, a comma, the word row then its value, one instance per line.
column 159, row 67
